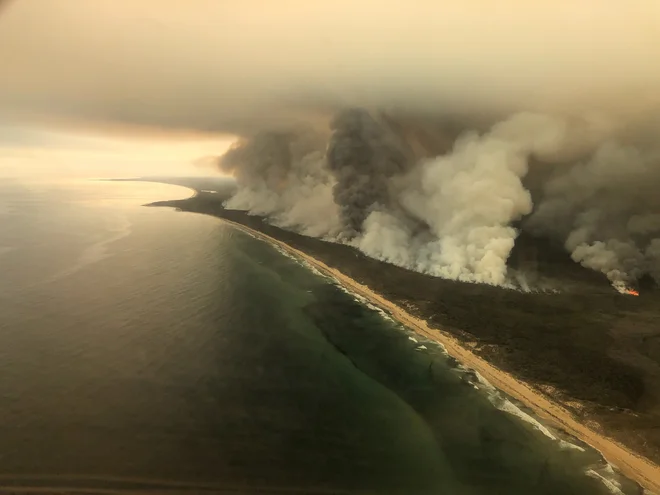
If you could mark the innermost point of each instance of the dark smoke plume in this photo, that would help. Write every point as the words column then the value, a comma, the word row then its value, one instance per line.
column 362, row 154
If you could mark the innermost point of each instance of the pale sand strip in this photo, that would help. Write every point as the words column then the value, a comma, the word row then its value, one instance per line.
column 630, row 464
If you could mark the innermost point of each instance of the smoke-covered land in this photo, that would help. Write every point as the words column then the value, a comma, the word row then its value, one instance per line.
column 435, row 197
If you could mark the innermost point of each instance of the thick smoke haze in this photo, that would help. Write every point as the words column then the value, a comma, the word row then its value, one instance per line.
column 362, row 155
column 452, row 214
column 240, row 66
column 283, row 175
column 606, row 210
column 426, row 133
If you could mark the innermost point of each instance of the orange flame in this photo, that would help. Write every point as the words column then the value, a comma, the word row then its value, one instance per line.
column 623, row 289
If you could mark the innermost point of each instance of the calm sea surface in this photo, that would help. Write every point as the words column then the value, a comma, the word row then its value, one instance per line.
column 143, row 348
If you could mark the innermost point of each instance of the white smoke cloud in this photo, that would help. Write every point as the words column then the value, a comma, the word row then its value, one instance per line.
column 606, row 211
column 468, row 200
column 307, row 204
column 282, row 176
column 389, row 238
column 305, row 207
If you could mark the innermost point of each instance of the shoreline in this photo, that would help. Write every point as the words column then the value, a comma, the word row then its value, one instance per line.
column 630, row 464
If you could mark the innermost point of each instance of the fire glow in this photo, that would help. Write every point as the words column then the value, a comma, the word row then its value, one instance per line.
column 622, row 288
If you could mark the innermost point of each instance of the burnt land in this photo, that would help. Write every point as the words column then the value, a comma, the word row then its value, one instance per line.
column 593, row 350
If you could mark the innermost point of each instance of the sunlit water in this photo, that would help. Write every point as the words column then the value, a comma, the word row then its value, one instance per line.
column 143, row 347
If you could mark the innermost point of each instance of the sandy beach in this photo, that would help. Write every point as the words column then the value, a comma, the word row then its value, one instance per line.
column 636, row 467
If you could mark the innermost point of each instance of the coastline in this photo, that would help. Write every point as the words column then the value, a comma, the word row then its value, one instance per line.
column 630, row 464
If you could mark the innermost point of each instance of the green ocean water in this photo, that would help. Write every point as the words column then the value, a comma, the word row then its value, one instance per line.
column 143, row 348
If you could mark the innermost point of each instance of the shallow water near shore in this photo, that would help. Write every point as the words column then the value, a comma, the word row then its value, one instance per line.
column 143, row 347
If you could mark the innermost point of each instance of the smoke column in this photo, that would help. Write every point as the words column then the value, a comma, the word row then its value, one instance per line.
column 451, row 215
column 467, row 199
column 362, row 155
column 606, row 211
column 282, row 176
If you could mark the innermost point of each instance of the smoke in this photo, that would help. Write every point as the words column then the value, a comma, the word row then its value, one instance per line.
column 282, row 176
column 362, row 155
column 606, row 211
column 392, row 187
column 236, row 67
column 467, row 199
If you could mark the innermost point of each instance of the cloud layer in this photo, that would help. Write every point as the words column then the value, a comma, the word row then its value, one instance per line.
column 236, row 66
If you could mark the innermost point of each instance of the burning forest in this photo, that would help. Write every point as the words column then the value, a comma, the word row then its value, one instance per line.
column 420, row 194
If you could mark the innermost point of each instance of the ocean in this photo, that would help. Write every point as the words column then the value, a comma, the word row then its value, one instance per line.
column 149, row 349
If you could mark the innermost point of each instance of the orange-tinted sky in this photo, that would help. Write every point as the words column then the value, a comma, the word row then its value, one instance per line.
column 47, row 153
column 219, row 66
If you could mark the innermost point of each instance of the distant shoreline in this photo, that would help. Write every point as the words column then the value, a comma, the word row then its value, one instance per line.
column 535, row 318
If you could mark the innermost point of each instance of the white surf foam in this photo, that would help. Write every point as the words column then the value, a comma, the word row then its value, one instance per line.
column 608, row 480
column 494, row 396
column 505, row 405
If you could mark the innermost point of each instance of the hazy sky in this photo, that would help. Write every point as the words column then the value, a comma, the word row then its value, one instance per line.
column 30, row 151
column 220, row 66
